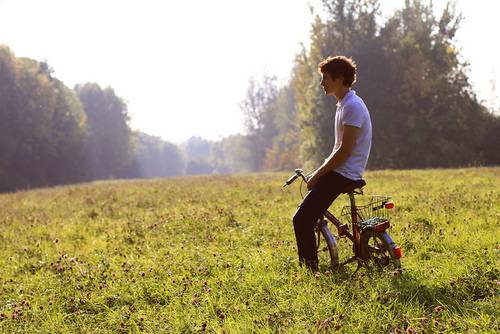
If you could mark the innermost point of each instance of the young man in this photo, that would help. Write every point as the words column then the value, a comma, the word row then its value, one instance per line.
column 346, row 163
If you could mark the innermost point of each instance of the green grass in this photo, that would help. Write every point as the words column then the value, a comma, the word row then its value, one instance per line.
column 218, row 254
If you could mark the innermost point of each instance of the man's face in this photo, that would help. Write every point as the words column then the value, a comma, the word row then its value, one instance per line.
column 331, row 85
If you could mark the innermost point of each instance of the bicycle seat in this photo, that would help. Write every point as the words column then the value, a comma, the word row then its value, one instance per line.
column 356, row 185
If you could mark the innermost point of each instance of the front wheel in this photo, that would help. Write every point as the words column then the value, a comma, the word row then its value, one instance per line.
column 331, row 248
column 379, row 249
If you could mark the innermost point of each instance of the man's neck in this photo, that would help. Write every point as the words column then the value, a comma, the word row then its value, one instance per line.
column 342, row 93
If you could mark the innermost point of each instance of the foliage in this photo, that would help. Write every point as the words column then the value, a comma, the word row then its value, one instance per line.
column 197, row 147
column 156, row 158
column 109, row 148
column 42, row 126
column 423, row 109
column 259, row 109
column 230, row 154
column 284, row 152
column 218, row 253
column 198, row 166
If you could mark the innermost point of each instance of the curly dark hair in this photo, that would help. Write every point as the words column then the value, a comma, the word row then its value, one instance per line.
column 339, row 66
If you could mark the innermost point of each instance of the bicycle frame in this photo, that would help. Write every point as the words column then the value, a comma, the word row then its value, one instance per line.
column 342, row 228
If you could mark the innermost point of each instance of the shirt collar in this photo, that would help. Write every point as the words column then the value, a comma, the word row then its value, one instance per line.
column 346, row 97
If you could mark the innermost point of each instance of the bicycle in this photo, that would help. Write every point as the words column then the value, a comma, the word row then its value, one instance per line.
column 372, row 243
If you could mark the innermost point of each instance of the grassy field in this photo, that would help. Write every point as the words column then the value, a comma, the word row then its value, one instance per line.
column 217, row 254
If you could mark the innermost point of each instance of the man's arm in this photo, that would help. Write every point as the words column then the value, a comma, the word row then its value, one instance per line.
column 338, row 157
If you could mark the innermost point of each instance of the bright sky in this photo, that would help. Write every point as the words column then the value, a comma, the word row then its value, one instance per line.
column 183, row 66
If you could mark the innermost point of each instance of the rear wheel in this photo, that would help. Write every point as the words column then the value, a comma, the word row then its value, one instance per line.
column 379, row 249
column 327, row 251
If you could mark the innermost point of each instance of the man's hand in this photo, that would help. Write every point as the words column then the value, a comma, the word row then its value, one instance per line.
column 311, row 181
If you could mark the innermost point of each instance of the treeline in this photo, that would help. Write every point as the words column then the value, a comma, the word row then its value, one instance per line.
column 51, row 134
column 42, row 126
column 424, row 111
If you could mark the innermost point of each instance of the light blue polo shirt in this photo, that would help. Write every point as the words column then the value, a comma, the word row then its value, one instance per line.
column 351, row 110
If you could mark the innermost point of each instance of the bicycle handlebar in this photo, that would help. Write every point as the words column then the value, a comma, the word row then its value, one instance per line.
column 298, row 172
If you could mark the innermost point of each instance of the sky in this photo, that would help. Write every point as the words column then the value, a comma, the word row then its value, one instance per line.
column 183, row 67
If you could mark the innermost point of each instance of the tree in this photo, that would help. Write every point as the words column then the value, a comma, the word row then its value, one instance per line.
column 155, row 157
column 259, row 109
column 42, row 126
column 284, row 153
column 109, row 148
column 197, row 147
column 349, row 29
column 198, row 166
column 411, row 78
column 231, row 154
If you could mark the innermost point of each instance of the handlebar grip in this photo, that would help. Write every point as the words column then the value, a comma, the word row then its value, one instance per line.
column 298, row 172
column 293, row 178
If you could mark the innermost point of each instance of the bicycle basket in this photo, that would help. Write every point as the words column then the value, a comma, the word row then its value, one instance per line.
column 375, row 209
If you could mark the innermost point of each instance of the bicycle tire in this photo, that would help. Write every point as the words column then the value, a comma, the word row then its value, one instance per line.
column 332, row 246
column 381, row 252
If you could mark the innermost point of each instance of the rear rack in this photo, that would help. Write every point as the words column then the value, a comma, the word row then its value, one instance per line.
column 374, row 212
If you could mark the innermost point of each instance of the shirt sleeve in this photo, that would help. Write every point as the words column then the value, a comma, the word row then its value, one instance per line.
column 353, row 115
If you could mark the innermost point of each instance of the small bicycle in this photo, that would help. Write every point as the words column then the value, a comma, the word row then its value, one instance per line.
column 372, row 245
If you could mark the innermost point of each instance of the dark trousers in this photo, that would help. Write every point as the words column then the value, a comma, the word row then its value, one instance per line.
column 328, row 187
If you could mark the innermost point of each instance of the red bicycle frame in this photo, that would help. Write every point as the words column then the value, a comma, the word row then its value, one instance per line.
column 343, row 229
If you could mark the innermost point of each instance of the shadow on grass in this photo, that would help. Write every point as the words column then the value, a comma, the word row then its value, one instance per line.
column 474, row 291
column 459, row 295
